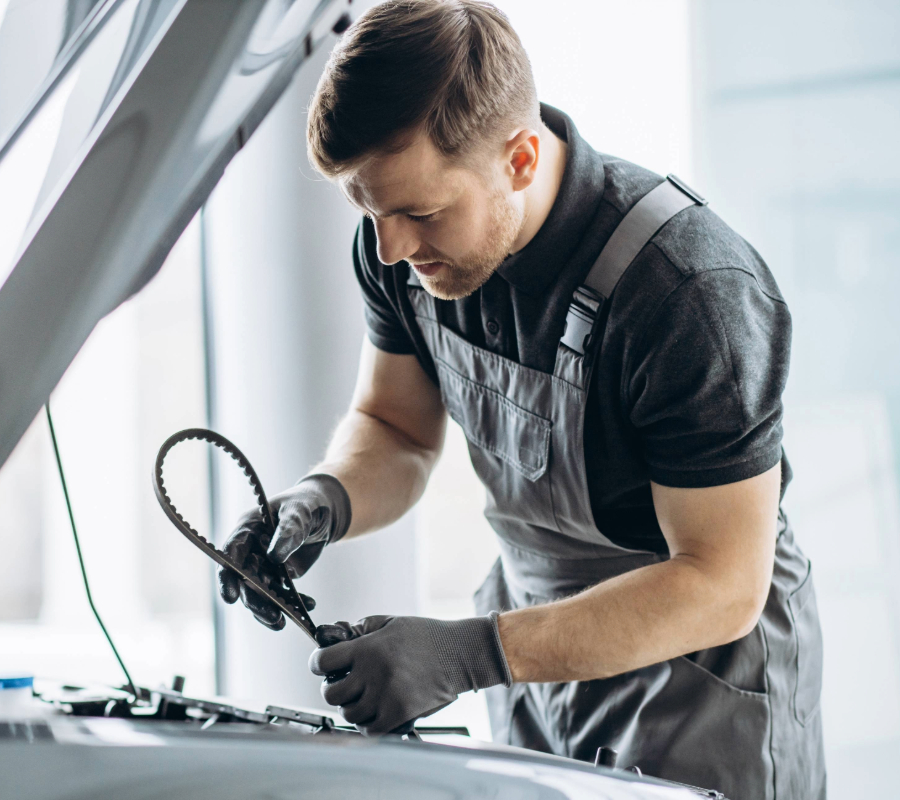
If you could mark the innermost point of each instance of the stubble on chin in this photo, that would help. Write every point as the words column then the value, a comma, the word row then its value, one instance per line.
column 461, row 279
column 455, row 282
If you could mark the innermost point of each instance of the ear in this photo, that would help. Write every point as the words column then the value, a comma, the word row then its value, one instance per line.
column 521, row 155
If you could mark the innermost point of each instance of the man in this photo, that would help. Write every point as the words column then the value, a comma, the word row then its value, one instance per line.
column 649, row 596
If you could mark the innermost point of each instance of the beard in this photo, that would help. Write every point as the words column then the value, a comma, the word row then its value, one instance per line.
column 460, row 278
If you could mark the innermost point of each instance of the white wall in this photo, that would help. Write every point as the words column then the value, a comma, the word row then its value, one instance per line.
column 621, row 70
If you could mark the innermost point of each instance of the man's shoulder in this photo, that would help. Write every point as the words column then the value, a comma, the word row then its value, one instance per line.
column 625, row 182
column 695, row 241
column 698, row 243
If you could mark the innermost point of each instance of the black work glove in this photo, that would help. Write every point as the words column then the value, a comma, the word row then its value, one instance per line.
column 308, row 516
column 403, row 668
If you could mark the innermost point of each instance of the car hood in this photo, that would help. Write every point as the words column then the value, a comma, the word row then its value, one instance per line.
column 123, row 142
column 114, row 758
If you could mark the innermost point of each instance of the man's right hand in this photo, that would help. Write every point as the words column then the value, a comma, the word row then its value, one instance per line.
column 308, row 516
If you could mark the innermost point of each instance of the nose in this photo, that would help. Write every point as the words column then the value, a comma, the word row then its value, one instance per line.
column 396, row 240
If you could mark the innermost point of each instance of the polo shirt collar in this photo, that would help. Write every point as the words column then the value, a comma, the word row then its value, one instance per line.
column 537, row 264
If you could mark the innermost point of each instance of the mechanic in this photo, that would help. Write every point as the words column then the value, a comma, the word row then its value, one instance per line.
column 650, row 595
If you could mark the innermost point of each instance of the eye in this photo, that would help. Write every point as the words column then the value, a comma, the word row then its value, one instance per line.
column 426, row 218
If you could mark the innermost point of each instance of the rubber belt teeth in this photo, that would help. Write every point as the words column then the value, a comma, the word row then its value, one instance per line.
column 283, row 593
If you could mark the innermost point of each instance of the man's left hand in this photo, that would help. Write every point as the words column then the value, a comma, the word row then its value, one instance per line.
column 403, row 668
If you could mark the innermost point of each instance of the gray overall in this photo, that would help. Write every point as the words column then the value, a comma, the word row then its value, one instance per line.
column 686, row 719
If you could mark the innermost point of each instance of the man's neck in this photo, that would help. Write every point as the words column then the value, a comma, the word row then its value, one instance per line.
column 541, row 195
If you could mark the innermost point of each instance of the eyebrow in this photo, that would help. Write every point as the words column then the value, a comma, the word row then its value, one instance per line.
column 413, row 210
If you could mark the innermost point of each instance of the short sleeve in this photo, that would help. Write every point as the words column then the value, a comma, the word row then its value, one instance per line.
column 704, row 387
column 385, row 327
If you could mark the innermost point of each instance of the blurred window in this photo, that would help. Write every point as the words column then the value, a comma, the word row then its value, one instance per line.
column 139, row 378
column 797, row 128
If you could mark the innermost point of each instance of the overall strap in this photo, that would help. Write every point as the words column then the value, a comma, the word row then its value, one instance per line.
column 637, row 228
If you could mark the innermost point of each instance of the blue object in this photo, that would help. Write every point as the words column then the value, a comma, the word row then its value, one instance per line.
column 16, row 683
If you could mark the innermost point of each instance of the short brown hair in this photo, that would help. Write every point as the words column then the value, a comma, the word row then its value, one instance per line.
column 453, row 68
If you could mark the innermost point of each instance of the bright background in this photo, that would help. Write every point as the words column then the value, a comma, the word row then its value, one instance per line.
column 786, row 115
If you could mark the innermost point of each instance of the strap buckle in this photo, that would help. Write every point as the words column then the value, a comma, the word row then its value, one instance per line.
column 697, row 198
column 580, row 318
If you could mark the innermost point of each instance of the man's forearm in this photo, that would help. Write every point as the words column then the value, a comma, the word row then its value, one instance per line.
column 711, row 591
column 382, row 469
column 643, row 617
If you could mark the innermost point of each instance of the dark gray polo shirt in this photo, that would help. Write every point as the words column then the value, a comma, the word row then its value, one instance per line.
column 694, row 358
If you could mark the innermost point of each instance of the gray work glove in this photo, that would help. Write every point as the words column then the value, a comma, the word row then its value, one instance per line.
column 403, row 668
column 309, row 515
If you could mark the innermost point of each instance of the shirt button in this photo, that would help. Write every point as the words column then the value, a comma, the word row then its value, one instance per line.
column 493, row 327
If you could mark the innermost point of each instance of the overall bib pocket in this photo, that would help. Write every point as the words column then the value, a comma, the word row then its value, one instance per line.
column 492, row 423
column 808, row 641
column 509, row 447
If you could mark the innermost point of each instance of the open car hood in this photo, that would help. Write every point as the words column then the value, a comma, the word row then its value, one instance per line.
column 107, row 759
column 124, row 140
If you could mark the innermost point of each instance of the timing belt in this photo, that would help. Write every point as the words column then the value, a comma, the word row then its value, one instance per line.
column 268, row 579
